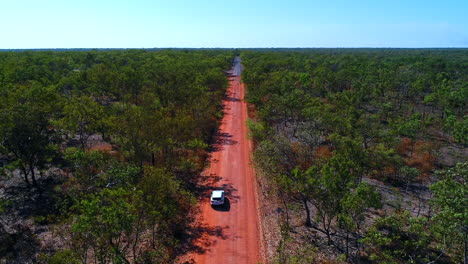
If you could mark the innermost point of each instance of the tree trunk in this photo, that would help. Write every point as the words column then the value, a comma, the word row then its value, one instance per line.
column 326, row 227
column 153, row 236
column 135, row 242
column 82, row 137
column 33, row 175
column 82, row 143
column 412, row 146
column 358, row 245
column 328, row 237
column 118, row 251
column 465, row 250
column 25, row 174
column 286, row 209
column 308, row 223
column 347, row 244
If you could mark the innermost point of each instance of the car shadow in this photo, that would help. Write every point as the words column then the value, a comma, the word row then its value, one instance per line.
column 224, row 207
column 208, row 183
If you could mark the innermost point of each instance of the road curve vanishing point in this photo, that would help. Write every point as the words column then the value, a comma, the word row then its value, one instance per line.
column 230, row 234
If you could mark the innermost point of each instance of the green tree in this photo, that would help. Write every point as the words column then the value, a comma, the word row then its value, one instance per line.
column 460, row 131
column 331, row 184
column 164, row 202
column 61, row 256
column 399, row 238
column 87, row 167
column 131, row 128
column 451, row 218
column 82, row 116
column 25, row 129
column 410, row 128
column 409, row 174
column 354, row 205
column 105, row 226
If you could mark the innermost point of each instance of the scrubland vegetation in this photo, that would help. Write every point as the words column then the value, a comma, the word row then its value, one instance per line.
column 361, row 152
column 100, row 151
column 366, row 150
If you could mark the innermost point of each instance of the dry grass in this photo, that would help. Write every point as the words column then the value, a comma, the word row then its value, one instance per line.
column 418, row 154
column 323, row 152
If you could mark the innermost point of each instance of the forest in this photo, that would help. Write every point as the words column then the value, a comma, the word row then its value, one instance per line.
column 101, row 149
column 361, row 154
column 364, row 151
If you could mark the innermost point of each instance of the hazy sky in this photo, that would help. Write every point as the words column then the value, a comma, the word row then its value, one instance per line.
column 241, row 23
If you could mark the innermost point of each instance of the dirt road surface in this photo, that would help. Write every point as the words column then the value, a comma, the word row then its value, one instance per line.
column 230, row 234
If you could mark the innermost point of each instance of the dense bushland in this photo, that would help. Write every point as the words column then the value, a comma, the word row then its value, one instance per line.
column 333, row 128
column 103, row 148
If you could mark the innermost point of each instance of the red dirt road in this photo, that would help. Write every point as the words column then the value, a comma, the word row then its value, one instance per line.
column 230, row 234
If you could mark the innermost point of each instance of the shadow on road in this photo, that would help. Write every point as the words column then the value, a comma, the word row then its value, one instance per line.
column 230, row 192
column 198, row 238
column 232, row 99
column 222, row 139
column 210, row 183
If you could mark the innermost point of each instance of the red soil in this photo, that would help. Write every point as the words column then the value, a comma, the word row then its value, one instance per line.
column 230, row 234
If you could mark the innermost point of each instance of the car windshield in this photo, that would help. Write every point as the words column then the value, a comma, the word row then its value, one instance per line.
column 216, row 198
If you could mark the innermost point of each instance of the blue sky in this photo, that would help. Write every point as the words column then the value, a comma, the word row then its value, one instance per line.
column 241, row 23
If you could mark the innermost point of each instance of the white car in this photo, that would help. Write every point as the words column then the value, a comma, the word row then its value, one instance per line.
column 217, row 197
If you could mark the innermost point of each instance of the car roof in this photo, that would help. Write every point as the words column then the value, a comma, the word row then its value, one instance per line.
column 217, row 194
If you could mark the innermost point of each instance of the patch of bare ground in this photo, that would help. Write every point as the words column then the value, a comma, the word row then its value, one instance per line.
column 450, row 154
column 271, row 214
column 28, row 219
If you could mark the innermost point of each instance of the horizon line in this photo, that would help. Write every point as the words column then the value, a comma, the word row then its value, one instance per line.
column 132, row 48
